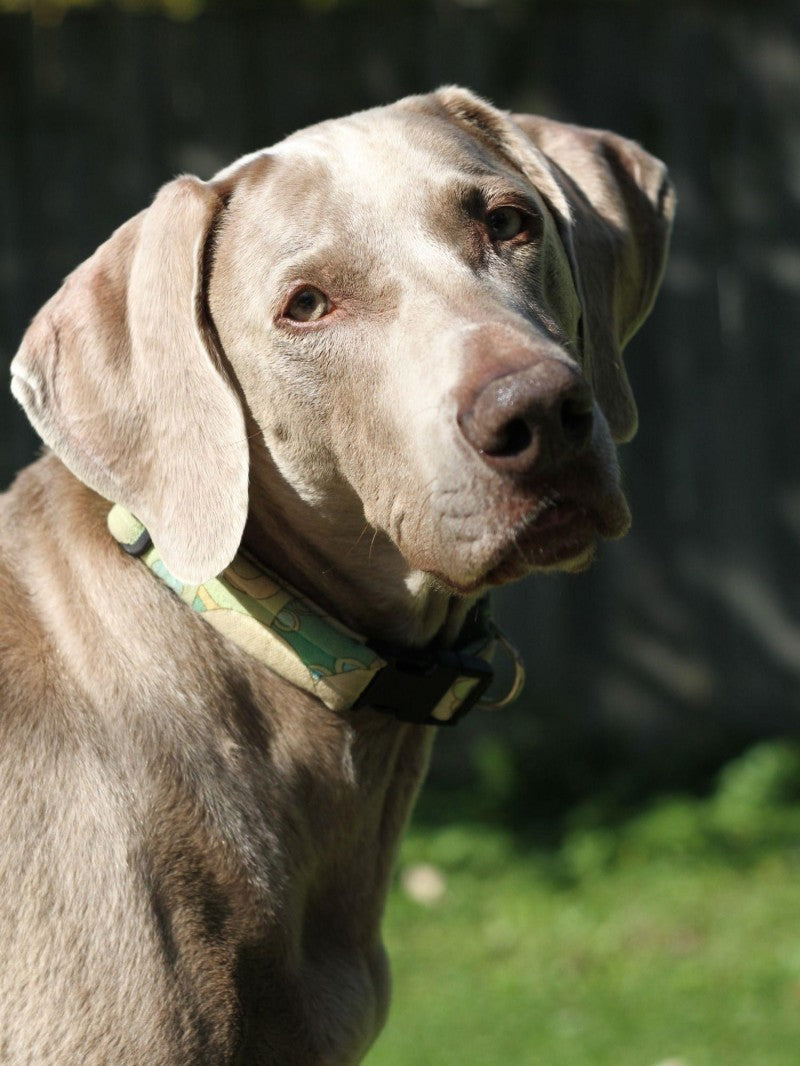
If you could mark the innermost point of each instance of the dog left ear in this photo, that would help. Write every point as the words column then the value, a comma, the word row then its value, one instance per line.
column 120, row 374
column 620, row 205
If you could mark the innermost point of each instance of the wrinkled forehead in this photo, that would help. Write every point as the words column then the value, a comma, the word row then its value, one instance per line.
column 381, row 168
column 396, row 153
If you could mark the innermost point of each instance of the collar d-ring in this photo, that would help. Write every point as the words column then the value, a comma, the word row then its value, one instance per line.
column 518, row 682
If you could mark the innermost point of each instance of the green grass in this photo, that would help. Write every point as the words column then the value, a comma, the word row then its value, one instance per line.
column 672, row 935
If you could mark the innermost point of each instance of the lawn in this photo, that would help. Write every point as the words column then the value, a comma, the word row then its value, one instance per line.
column 671, row 936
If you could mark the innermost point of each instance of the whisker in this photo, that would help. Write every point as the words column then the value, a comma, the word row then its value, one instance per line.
column 356, row 542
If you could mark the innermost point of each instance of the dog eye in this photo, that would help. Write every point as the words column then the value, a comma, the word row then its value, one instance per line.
column 308, row 305
column 505, row 223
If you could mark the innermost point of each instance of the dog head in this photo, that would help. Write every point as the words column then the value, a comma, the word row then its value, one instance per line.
column 418, row 310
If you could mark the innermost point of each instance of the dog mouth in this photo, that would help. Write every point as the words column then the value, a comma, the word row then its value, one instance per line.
column 547, row 530
column 560, row 535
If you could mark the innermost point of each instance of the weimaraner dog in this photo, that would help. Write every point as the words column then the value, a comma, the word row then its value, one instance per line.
column 300, row 419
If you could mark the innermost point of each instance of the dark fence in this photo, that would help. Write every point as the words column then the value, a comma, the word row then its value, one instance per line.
column 683, row 643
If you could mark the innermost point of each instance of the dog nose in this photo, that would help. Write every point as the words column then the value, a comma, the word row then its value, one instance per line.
column 529, row 420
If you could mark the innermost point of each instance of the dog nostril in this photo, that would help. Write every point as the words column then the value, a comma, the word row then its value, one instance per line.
column 576, row 420
column 511, row 439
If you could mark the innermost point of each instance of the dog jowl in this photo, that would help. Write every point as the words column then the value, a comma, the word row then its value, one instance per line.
column 330, row 398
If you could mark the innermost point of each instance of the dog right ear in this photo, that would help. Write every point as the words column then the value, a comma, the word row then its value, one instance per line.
column 616, row 228
column 120, row 375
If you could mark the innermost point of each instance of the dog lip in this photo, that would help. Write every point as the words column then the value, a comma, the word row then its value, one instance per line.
column 561, row 532
column 552, row 516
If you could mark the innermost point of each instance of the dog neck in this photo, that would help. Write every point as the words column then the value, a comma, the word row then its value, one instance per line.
column 354, row 571
column 291, row 635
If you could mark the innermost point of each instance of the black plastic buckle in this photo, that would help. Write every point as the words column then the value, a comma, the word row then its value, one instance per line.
column 414, row 681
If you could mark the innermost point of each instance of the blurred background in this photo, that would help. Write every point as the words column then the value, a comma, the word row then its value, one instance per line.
column 607, row 872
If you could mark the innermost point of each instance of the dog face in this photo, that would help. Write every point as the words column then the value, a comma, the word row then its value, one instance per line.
column 419, row 309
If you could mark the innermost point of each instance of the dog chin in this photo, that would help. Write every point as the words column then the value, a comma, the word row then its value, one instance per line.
column 514, row 565
column 570, row 558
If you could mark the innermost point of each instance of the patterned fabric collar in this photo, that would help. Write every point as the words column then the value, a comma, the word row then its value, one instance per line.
column 300, row 642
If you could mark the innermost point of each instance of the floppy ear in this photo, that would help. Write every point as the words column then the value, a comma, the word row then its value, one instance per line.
column 616, row 233
column 120, row 376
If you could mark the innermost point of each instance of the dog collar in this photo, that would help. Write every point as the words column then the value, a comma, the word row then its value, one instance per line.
column 302, row 643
